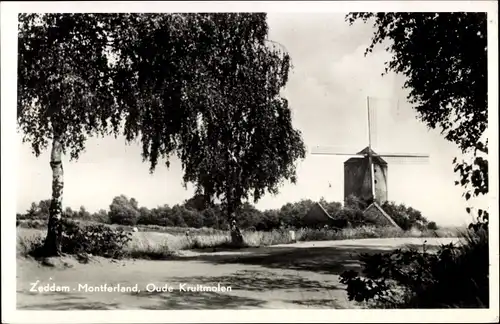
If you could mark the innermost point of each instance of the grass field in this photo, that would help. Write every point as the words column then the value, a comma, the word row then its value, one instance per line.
column 162, row 244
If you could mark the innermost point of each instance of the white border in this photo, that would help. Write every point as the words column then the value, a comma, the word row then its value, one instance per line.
column 9, row 11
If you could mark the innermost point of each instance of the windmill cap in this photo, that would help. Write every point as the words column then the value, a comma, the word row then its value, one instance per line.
column 376, row 158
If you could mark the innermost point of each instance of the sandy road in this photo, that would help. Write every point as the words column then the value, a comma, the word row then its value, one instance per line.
column 301, row 275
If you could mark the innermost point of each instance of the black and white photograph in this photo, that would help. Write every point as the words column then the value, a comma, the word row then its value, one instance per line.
column 337, row 157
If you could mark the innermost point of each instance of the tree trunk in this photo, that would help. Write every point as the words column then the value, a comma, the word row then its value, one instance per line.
column 236, row 237
column 52, row 245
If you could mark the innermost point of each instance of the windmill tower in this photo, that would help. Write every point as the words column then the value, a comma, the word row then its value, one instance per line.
column 366, row 179
column 366, row 172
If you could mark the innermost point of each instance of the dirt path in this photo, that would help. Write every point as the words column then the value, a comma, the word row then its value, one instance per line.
column 301, row 275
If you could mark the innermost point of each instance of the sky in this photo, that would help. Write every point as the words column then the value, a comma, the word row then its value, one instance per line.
column 327, row 91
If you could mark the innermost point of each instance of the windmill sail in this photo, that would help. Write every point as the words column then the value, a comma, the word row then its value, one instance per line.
column 372, row 172
column 365, row 172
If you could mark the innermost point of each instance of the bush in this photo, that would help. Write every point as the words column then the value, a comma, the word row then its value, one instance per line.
column 28, row 245
column 95, row 239
column 101, row 217
column 356, row 203
column 454, row 276
column 33, row 223
column 432, row 226
column 405, row 217
column 123, row 211
column 354, row 217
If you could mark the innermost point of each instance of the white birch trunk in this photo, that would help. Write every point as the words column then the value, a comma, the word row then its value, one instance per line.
column 54, row 230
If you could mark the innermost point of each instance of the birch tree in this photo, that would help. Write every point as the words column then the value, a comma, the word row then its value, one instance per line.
column 64, row 93
column 236, row 141
column 171, row 81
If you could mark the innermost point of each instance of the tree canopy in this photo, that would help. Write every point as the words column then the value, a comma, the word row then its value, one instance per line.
column 203, row 86
column 64, row 79
column 211, row 94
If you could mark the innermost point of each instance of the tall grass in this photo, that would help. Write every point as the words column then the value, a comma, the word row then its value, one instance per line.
column 162, row 245
column 148, row 250
column 173, row 230
column 222, row 240
column 363, row 232
column 28, row 240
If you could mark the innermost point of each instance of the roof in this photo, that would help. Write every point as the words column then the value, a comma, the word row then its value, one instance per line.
column 322, row 209
column 376, row 158
column 318, row 215
column 382, row 212
column 318, row 207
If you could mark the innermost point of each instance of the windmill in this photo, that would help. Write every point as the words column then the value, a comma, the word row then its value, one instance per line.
column 365, row 173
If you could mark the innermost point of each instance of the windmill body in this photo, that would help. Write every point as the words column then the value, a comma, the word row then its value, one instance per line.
column 366, row 173
column 358, row 181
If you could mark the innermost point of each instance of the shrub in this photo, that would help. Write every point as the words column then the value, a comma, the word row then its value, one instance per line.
column 454, row 276
column 101, row 217
column 27, row 245
column 356, row 203
column 192, row 218
column 33, row 223
column 123, row 211
column 354, row 217
column 95, row 239
column 405, row 217
column 432, row 226
column 270, row 220
column 177, row 216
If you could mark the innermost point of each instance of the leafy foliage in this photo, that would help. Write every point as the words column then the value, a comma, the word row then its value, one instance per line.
column 448, row 87
column 65, row 93
column 197, row 202
column 405, row 217
column 432, row 226
column 354, row 216
column 38, row 210
column 123, row 211
column 203, row 86
column 453, row 276
column 217, row 105
column 357, row 203
column 64, row 79
column 101, row 216
column 96, row 239
column 447, row 81
column 332, row 207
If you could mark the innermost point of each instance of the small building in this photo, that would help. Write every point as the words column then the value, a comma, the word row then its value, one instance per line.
column 377, row 213
column 318, row 217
